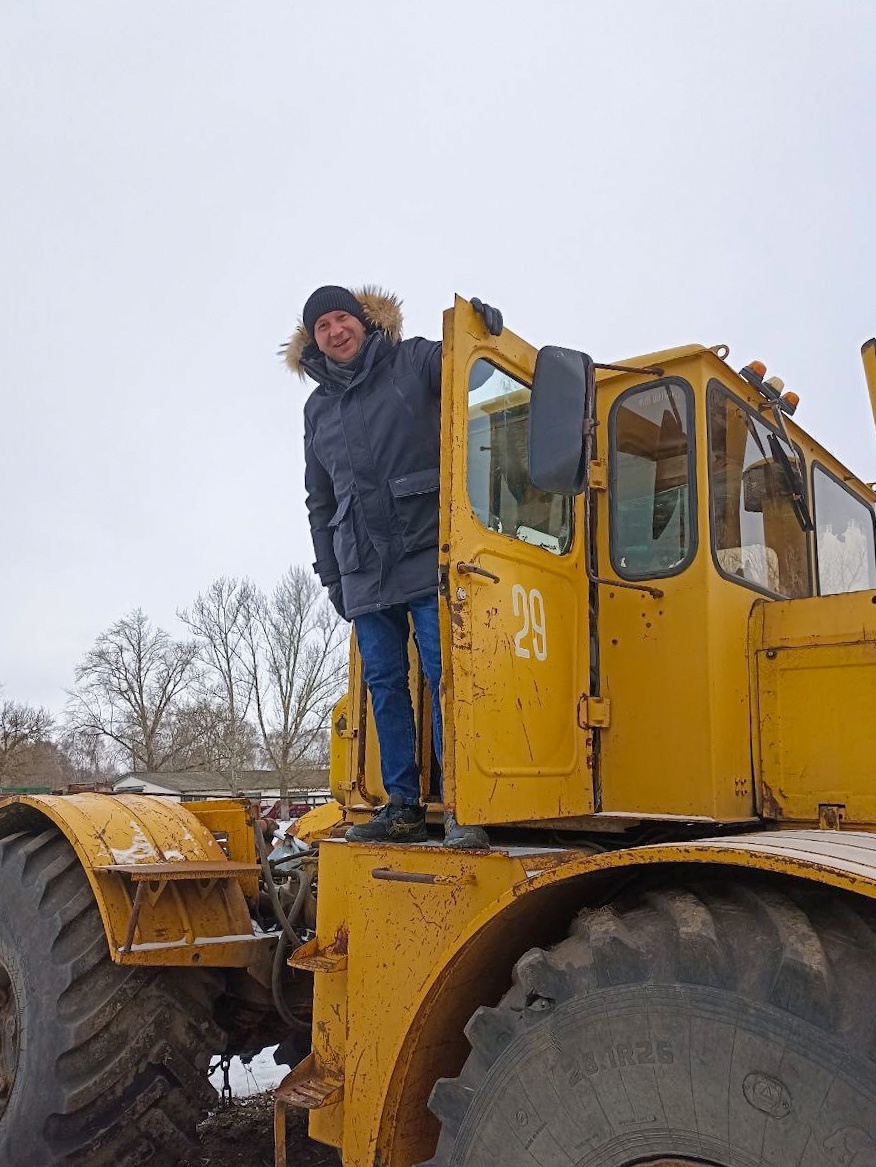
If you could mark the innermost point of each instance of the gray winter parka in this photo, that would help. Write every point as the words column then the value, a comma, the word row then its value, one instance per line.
column 371, row 463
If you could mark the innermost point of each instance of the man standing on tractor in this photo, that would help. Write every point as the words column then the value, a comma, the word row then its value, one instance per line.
column 371, row 441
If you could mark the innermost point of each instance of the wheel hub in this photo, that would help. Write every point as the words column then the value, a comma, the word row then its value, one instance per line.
column 9, row 1031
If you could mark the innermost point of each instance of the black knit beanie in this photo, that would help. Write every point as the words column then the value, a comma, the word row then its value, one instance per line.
column 331, row 299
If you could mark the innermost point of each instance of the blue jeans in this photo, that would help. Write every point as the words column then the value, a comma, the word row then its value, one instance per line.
column 383, row 645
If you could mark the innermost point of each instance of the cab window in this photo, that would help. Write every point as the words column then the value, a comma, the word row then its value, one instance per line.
column 499, row 488
column 845, row 543
column 653, row 516
column 757, row 529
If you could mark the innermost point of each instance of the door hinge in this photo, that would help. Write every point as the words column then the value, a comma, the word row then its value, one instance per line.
column 594, row 712
column 598, row 474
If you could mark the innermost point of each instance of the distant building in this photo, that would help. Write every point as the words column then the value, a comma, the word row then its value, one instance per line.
column 309, row 786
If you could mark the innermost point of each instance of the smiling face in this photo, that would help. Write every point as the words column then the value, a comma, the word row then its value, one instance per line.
column 339, row 335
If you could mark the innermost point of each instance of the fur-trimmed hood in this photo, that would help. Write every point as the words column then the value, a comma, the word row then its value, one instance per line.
column 382, row 311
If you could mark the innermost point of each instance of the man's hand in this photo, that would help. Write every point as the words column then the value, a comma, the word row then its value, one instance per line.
column 492, row 316
column 336, row 598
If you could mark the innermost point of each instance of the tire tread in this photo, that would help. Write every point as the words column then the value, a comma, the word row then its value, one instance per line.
column 807, row 951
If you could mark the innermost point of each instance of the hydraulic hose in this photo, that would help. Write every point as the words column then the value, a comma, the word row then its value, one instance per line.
column 305, row 880
column 271, row 888
column 289, row 938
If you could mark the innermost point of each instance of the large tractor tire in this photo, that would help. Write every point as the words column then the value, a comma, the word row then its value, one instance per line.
column 100, row 1064
column 720, row 1021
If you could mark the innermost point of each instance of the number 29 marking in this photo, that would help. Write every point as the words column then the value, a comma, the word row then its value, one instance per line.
column 529, row 606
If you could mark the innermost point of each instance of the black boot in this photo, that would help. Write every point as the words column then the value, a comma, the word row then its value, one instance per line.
column 393, row 823
column 464, row 838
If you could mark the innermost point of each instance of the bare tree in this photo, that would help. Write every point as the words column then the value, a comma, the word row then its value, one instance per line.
column 219, row 620
column 42, row 765
column 297, row 667
column 215, row 744
column 22, row 728
column 128, row 689
column 90, row 757
column 843, row 559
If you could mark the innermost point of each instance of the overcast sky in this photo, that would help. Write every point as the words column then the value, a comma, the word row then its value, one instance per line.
column 177, row 177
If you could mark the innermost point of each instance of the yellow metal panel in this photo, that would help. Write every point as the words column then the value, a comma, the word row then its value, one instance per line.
column 821, row 620
column 318, row 823
column 815, row 682
column 203, row 921
column 342, row 749
column 420, row 957
column 329, row 1032
column 393, row 934
column 229, row 820
column 354, row 773
column 514, row 749
column 660, row 360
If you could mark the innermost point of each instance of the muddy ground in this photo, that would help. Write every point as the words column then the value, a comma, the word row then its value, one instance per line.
column 242, row 1135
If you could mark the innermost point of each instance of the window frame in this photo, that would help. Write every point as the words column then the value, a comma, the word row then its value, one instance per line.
column 693, row 496
column 816, row 465
column 713, row 385
column 515, row 375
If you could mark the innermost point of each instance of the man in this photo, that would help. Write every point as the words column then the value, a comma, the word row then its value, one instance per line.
column 371, row 441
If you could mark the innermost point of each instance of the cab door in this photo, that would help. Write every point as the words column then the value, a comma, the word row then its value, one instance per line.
column 514, row 608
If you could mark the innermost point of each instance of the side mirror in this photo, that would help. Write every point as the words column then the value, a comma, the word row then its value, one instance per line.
column 562, row 388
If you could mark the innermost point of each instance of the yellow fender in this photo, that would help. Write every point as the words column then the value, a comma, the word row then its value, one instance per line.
column 168, row 893
column 500, row 936
column 416, row 966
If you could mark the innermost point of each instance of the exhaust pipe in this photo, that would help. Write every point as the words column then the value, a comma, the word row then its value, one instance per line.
column 868, row 356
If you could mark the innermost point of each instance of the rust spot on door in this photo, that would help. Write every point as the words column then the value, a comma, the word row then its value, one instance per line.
column 772, row 808
column 341, row 941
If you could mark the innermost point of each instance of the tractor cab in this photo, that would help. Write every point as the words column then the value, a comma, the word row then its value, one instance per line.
column 608, row 533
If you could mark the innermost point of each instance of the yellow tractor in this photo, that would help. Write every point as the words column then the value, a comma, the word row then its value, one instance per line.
column 658, row 606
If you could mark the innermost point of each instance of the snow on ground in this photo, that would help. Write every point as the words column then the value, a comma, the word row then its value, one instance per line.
column 262, row 1073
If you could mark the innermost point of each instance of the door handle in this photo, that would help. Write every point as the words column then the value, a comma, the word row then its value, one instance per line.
column 473, row 569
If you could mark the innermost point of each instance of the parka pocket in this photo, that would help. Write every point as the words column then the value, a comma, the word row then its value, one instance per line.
column 415, row 497
column 344, row 537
